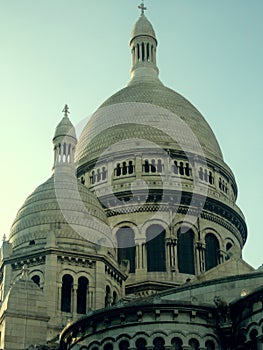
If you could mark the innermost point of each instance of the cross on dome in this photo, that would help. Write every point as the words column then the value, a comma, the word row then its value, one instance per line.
column 66, row 110
column 142, row 8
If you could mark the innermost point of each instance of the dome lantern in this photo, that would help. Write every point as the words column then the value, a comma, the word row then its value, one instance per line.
column 143, row 45
column 64, row 141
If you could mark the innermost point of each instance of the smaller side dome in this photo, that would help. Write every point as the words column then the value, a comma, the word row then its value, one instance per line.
column 62, row 210
column 143, row 27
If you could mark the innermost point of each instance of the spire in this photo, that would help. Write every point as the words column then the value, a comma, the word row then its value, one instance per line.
column 143, row 48
column 64, row 141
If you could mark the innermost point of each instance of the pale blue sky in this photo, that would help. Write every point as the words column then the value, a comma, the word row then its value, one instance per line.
column 76, row 51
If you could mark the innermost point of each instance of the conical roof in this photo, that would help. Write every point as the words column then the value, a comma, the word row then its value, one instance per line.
column 143, row 27
column 65, row 128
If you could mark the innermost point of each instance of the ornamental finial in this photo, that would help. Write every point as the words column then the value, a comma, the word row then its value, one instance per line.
column 66, row 111
column 142, row 8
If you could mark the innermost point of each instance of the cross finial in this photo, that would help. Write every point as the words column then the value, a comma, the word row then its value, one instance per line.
column 66, row 111
column 142, row 8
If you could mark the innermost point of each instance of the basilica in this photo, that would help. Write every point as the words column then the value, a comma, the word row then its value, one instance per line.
column 135, row 241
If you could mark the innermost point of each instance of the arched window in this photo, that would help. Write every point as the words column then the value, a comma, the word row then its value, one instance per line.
column 107, row 297
column 66, row 293
column 187, row 170
column 93, row 178
column 211, row 251
column 124, row 345
column 130, row 167
column 185, row 246
column 194, row 344
column 141, row 344
column 155, row 247
column 181, row 168
column 158, row 343
column 124, row 168
column 118, row 170
column 104, row 173
column 159, row 166
column 153, row 166
column 36, row 280
column 82, row 294
column 146, row 166
column 177, row 344
column 126, row 246
column 209, row 345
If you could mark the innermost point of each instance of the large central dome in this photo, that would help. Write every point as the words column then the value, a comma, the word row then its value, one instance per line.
column 97, row 137
column 108, row 126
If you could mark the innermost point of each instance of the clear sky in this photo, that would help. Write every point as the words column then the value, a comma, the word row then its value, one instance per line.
column 76, row 52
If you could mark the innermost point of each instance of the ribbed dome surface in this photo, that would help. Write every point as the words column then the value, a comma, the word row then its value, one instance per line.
column 142, row 27
column 64, row 201
column 107, row 127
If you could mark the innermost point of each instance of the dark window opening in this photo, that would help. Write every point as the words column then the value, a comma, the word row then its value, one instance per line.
column 211, row 251
column 141, row 344
column 211, row 179
column 146, row 166
column 153, row 166
column 118, row 170
column 107, row 297
column 194, row 344
column 138, row 51
column 181, row 168
column 108, row 346
column 158, row 344
column 82, row 294
column 187, row 170
column 209, row 345
column 92, row 178
column 32, row 242
column 185, row 253
column 124, row 345
column 124, row 168
column 126, row 246
column 130, row 168
column 36, row 280
column 155, row 247
column 104, row 173
column 67, row 283
column 177, row 344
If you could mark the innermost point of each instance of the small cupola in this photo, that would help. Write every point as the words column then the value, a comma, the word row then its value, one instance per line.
column 143, row 45
column 64, row 141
